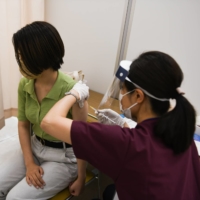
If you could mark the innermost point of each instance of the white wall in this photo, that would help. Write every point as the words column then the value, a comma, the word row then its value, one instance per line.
column 173, row 27
column 90, row 30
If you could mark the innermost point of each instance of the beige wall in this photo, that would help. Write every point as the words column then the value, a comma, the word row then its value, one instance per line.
column 90, row 30
column 2, row 123
column 173, row 27
column 14, row 15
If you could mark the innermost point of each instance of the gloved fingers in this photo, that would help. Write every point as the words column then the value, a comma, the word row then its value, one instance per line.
column 107, row 112
column 101, row 118
column 101, row 110
column 82, row 89
column 99, row 115
column 109, row 117
column 81, row 103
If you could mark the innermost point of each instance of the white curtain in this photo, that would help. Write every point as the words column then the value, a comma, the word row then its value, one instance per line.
column 2, row 122
column 14, row 14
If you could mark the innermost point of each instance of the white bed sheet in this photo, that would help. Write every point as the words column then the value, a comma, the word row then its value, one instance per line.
column 9, row 139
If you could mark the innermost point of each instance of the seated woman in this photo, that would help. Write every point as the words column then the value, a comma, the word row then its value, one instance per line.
column 46, row 165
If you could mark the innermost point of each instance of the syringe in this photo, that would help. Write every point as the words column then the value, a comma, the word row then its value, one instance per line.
column 103, row 114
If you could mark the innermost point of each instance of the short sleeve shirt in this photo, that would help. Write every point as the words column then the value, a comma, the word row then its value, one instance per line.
column 142, row 167
column 29, row 107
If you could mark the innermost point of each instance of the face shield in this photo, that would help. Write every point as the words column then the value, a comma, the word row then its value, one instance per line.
column 110, row 98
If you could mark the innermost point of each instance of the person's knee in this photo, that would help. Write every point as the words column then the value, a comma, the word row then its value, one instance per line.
column 23, row 191
column 10, row 196
column 14, row 194
column 3, row 194
column 4, row 188
column 19, row 193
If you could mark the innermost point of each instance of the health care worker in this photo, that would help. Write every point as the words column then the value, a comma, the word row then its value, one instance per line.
column 156, row 160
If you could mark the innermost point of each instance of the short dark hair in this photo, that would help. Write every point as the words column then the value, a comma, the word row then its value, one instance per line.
column 40, row 47
column 160, row 75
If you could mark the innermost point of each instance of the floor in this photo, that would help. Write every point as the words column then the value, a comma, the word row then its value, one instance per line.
column 9, row 138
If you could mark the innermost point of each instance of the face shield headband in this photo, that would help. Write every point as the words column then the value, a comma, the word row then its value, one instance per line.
column 172, row 102
column 110, row 98
column 147, row 93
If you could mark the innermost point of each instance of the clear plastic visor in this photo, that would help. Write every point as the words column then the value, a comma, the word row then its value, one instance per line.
column 110, row 99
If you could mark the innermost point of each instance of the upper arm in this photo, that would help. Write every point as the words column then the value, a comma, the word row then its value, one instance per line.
column 24, row 126
column 80, row 113
column 59, row 128
column 21, row 101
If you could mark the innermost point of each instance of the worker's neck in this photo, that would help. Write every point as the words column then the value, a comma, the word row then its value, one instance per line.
column 145, row 112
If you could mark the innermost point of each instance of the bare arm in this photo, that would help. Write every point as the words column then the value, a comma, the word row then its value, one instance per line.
column 33, row 171
column 25, row 141
column 77, row 187
column 55, row 122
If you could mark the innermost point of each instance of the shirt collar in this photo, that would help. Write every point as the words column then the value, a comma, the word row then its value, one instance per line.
column 29, row 86
column 55, row 91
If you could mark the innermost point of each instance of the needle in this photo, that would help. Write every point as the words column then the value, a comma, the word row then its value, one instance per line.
column 94, row 109
column 102, row 114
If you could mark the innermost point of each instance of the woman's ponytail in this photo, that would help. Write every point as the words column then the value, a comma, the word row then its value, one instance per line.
column 176, row 128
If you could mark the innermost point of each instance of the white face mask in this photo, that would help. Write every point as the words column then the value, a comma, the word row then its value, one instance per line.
column 127, row 111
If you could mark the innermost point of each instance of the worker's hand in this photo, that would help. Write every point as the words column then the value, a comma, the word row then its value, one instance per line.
column 82, row 91
column 77, row 187
column 34, row 175
column 110, row 117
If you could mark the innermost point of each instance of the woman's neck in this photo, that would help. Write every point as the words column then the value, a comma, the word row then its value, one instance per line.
column 47, row 77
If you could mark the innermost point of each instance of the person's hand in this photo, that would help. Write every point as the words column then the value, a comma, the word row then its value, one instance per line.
column 77, row 187
column 82, row 91
column 110, row 117
column 34, row 175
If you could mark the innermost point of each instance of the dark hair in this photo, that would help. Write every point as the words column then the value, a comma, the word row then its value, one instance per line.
column 160, row 75
column 40, row 47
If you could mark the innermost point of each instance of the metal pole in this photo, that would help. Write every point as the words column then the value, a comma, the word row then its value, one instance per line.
column 125, row 32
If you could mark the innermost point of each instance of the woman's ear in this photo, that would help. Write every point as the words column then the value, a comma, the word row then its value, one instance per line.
column 139, row 95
